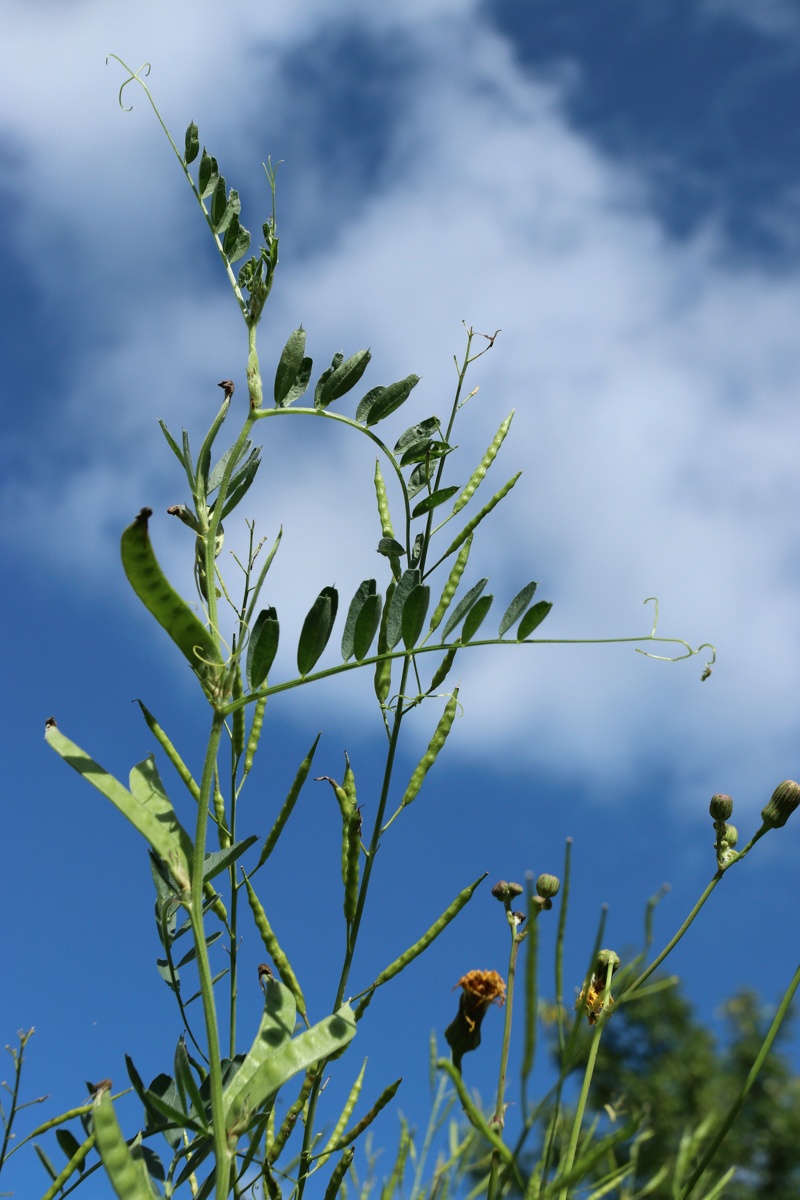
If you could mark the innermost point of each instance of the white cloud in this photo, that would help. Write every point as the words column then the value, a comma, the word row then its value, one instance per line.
column 653, row 382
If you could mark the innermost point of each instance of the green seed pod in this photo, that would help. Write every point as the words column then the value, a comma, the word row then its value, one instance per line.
column 339, row 1172
column 721, row 807
column 349, row 782
column 219, row 813
column 274, row 950
column 453, row 580
column 237, row 729
column 352, row 864
column 255, row 732
column 170, row 751
column 484, row 512
column 547, row 887
column 383, row 668
column 127, row 1175
column 169, row 609
column 783, row 802
column 435, row 745
column 484, row 464
column 443, row 669
column 387, row 528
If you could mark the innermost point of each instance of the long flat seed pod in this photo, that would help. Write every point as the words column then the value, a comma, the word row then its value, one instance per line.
column 170, row 610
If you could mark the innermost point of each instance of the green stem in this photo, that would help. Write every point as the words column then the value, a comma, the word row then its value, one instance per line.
column 222, row 1150
column 569, row 1161
column 18, row 1057
column 498, row 1120
column 732, row 1112
column 352, row 933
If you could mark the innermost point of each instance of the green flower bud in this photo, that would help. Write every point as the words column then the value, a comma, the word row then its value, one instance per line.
column 782, row 804
column 731, row 835
column 605, row 959
column 721, row 807
column 547, row 886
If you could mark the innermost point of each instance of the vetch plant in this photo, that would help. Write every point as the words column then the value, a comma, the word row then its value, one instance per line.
column 213, row 1116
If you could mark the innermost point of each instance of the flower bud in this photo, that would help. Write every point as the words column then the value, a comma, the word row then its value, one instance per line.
column 605, row 959
column 783, row 802
column 731, row 835
column 547, row 886
column 721, row 807
column 506, row 892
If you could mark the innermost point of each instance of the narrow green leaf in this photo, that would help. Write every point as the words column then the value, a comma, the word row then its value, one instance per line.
column 68, row 1143
column 394, row 622
column 367, row 626
column 533, row 617
column 390, row 399
column 289, row 365
column 263, row 647
column 207, row 176
column 218, row 470
column 219, row 202
column 219, row 860
column 317, row 629
column 415, row 611
column 343, row 378
column 475, row 618
column 192, row 143
column 516, row 608
column 433, row 501
column 365, row 589
column 240, row 485
column 463, row 607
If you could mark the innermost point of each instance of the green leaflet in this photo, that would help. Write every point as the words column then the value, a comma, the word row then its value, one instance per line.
column 263, row 647
column 146, row 805
column 533, row 617
column 516, row 608
column 317, row 629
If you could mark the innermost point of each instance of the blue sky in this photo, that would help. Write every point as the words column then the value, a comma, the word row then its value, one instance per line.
column 615, row 187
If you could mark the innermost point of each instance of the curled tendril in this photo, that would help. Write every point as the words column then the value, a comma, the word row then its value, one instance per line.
column 690, row 651
column 132, row 76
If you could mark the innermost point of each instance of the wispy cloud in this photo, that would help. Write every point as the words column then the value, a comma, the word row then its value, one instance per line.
column 654, row 382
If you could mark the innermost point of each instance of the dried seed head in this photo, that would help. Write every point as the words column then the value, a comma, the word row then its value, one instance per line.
column 227, row 387
column 479, row 990
column 721, row 807
column 782, row 804
column 547, row 886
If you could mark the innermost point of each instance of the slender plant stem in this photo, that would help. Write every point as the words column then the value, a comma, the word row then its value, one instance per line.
column 498, row 1120
column 222, row 1152
column 732, row 1112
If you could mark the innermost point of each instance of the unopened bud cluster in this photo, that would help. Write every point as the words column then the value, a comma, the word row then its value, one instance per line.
column 720, row 808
